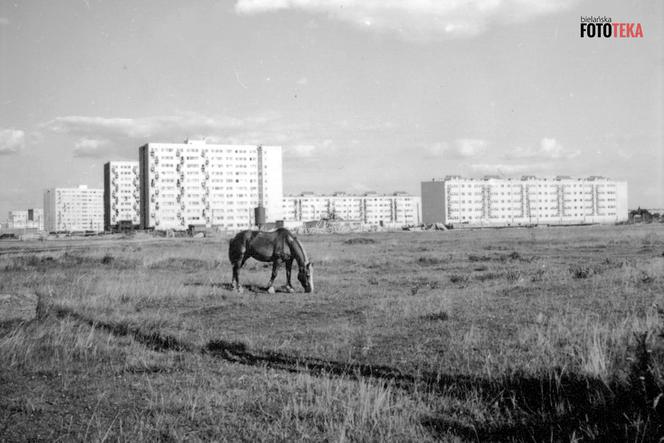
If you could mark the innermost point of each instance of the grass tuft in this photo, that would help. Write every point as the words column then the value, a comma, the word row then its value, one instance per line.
column 436, row 316
column 360, row 241
column 459, row 279
column 431, row 261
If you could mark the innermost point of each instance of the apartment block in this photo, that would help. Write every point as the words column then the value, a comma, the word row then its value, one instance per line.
column 26, row 219
column 196, row 183
column 74, row 209
column 121, row 193
column 370, row 208
column 493, row 201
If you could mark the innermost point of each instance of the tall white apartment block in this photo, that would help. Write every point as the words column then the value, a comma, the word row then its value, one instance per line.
column 369, row 208
column 195, row 183
column 121, row 193
column 505, row 202
column 26, row 219
column 74, row 209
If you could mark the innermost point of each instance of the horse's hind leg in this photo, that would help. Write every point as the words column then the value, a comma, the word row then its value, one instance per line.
column 236, row 276
column 275, row 268
column 237, row 257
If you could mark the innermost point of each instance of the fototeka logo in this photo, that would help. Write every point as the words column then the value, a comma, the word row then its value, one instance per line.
column 604, row 27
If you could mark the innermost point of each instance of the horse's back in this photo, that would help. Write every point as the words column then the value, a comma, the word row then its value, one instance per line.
column 262, row 245
column 260, row 241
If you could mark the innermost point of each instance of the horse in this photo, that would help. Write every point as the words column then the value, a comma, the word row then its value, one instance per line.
column 278, row 246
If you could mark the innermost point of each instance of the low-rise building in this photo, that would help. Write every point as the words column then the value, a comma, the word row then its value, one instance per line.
column 26, row 219
column 369, row 208
column 493, row 201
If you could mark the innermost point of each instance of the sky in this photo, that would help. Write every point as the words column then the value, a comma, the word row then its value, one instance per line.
column 363, row 95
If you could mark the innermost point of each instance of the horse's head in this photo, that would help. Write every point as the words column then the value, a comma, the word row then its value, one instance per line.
column 306, row 277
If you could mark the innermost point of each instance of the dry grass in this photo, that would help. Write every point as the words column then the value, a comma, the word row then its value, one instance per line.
column 483, row 335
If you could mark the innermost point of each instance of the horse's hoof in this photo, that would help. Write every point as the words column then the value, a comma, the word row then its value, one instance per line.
column 270, row 290
column 290, row 289
column 240, row 290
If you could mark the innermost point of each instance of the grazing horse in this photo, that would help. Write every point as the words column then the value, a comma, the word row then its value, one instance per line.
column 275, row 246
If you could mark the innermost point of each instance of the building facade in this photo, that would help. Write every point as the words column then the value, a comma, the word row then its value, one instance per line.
column 369, row 208
column 493, row 201
column 121, row 193
column 74, row 209
column 195, row 183
column 26, row 219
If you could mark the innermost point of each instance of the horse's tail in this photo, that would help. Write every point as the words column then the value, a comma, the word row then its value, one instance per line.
column 236, row 248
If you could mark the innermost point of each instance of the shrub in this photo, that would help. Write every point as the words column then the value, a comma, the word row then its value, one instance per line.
column 513, row 276
column 581, row 271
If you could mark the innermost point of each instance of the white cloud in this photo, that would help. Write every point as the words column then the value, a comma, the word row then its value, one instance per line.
column 122, row 136
column 460, row 148
column 437, row 149
column 184, row 125
column 308, row 150
column 416, row 19
column 303, row 81
column 300, row 150
column 519, row 152
column 11, row 141
column 87, row 147
column 359, row 188
column 549, row 149
column 116, row 136
column 505, row 169
column 4, row 21
column 470, row 147
column 625, row 154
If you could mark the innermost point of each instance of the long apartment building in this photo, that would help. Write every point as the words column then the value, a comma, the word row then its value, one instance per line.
column 74, row 209
column 369, row 208
column 26, row 219
column 121, row 193
column 195, row 183
column 493, row 201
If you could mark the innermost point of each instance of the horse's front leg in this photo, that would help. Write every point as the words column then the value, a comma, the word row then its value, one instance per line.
column 289, row 266
column 275, row 268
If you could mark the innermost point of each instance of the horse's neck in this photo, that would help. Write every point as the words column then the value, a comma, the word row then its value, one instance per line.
column 300, row 254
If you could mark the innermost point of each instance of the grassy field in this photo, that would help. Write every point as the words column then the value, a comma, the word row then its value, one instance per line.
column 537, row 334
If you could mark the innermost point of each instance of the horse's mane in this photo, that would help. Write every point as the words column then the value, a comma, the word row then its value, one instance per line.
column 304, row 253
